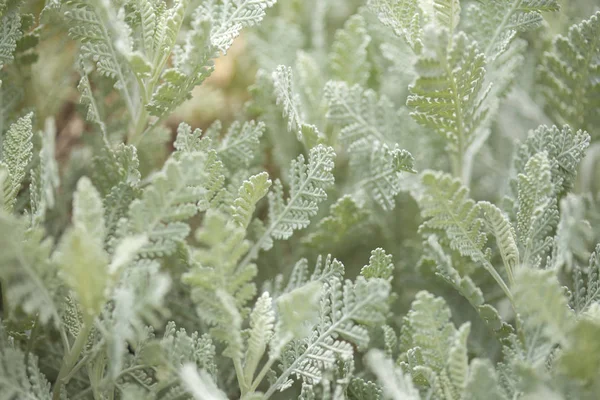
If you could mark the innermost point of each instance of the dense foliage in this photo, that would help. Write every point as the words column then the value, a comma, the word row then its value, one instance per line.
column 313, row 199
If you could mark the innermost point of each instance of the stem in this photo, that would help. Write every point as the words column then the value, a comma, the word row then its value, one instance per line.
column 500, row 27
column 459, row 157
column 490, row 268
column 135, row 135
column 262, row 374
column 72, row 357
column 239, row 372
column 153, row 125
column 120, row 76
column 65, row 339
column 76, row 368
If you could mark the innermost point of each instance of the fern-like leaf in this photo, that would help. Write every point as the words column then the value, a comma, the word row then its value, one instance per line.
column 537, row 213
column 250, row 193
column 564, row 149
column 380, row 265
column 428, row 327
column 16, row 156
column 308, row 182
column 20, row 376
column 29, row 275
column 345, row 309
column 287, row 98
column 542, row 304
column 494, row 24
column 395, row 383
column 10, row 33
column 177, row 349
column 45, row 178
column 448, row 95
column 222, row 301
column 139, row 301
column 81, row 254
column 499, row 225
column 348, row 59
column 300, row 276
column 240, row 144
column 466, row 287
column 262, row 322
column 219, row 287
column 231, row 16
column 447, row 14
column 403, row 16
column 361, row 114
column 87, row 98
column 192, row 64
column 345, row 217
column 442, row 361
column 447, row 207
column 97, row 27
column 483, row 382
column 379, row 171
column 177, row 193
column 586, row 284
column 571, row 71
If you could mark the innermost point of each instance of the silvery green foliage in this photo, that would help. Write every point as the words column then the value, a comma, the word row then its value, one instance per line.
column 496, row 24
column 404, row 17
column 571, row 69
column 374, row 215
column 16, row 155
column 21, row 376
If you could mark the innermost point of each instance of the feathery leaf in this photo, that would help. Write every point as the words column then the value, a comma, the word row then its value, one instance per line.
column 348, row 59
column 16, row 156
column 571, row 71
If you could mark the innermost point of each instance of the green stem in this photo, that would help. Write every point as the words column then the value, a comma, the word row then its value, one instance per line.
column 501, row 27
column 490, row 268
column 135, row 135
column 262, row 373
column 239, row 372
column 76, row 368
column 72, row 357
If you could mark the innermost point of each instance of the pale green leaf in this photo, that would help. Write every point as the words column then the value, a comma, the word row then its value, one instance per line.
column 88, row 212
column 84, row 265
column 250, row 193
column 542, row 304
column 17, row 153
column 396, row 384
column 262, row 323
column 572, row 71
column 403, row 16
column 348, row 59
column 380, row 265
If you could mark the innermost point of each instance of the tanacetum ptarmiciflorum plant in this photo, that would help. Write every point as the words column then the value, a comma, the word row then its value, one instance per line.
column 313, row 199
